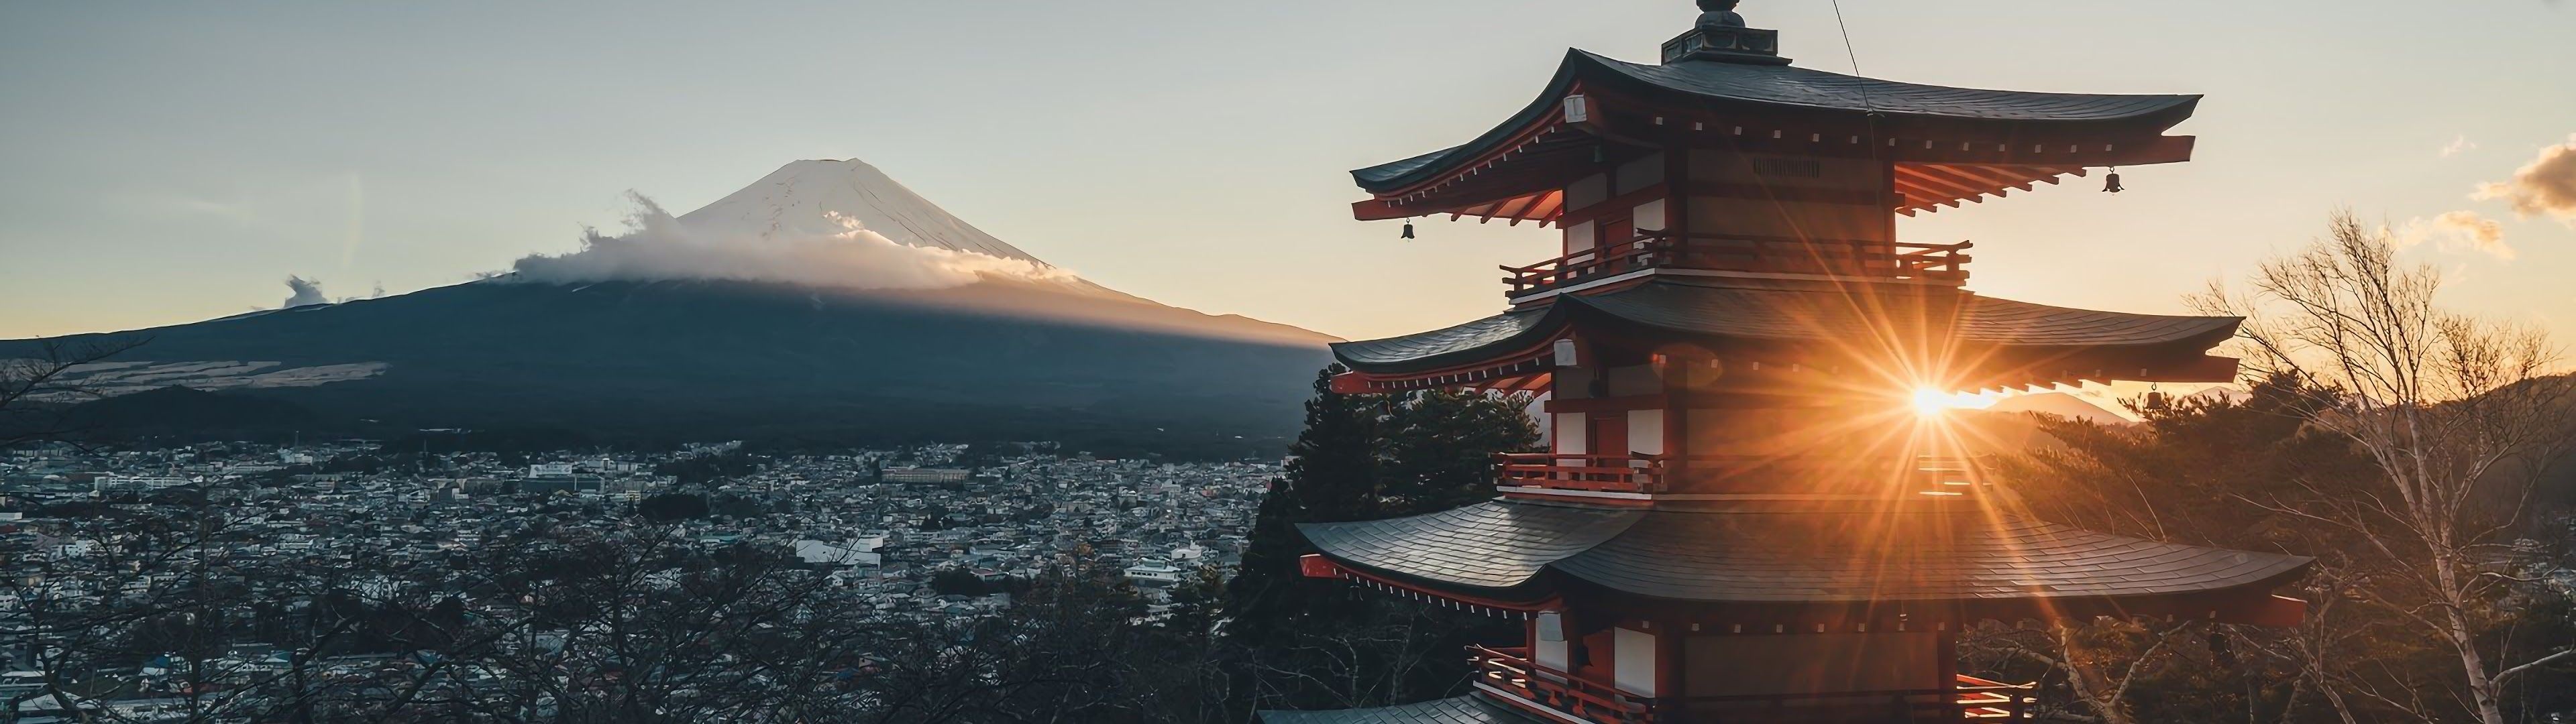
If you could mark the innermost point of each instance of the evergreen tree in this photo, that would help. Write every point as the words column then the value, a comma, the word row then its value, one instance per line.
column 1307, row 643
column 1332, row 476
column 1333, row 473
column 1439, row 449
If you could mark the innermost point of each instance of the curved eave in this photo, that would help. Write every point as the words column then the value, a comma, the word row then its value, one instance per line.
column 1900, row 316
column 1905, row 109
column 1483, row 340
column 1391, row 177
column 1514, row 551
column 1760, row 559
column 2008, row 341
column 1492, row 550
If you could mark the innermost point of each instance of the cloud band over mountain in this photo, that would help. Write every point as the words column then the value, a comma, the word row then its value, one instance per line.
column 658, row 247
column 841, row 224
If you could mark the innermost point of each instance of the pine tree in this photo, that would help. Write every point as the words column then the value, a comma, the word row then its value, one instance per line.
column 1439, row 449
column 1364, row 457
column 1332, row 476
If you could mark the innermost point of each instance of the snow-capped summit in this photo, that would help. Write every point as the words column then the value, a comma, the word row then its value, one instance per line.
column 803, row 199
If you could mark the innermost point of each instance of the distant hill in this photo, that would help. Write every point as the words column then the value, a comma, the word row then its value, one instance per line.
column 2059, row 404
column 701, row 360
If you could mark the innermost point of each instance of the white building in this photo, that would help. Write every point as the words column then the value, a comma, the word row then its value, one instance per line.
column 1152, row 571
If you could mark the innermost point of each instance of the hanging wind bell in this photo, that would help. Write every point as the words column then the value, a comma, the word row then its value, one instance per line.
column 1408, row 228
column 2111, row 185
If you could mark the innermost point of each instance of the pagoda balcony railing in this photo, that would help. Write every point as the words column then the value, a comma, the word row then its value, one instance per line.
column 1943, row 263
column 1593, row 473
column 1657, row 474
column 1986, row 699
column 1511, row 671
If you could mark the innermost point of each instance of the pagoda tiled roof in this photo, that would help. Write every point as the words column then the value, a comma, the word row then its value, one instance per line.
column 1470, row 709
column 1804, row 90
column 1787, row 85
column 1722, row 310
column 1509, row 330
column 1508, row 549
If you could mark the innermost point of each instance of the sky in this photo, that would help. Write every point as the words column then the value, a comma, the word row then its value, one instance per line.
column 163, row 163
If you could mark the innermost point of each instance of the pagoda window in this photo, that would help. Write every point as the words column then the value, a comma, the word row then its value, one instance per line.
column 1549, row 648
column 1645, row 432
column 1581, row 238
column 1649, row 216
column 1636, row 670
column 1573, row 433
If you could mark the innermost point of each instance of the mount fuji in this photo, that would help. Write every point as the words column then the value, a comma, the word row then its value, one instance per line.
column 805, row 197
column 825, row 302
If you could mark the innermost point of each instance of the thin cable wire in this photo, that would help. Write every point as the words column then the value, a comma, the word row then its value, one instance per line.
column 1869, row 108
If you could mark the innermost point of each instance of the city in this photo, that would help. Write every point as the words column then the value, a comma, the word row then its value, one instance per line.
column 935, row 533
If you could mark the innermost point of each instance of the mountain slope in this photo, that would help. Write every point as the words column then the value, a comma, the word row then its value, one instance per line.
column 664, row 359
column 1001, row 358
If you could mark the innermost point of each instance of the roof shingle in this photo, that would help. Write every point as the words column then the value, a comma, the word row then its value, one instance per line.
column 1769, row 557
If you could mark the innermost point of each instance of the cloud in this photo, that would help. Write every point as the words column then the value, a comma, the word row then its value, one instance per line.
column 307, row 292
column 2458, row 230
column 2459, row 146
column 659, row 247
column 2545, row 187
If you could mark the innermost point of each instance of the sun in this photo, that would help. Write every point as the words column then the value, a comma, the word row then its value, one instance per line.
column 1929, row 402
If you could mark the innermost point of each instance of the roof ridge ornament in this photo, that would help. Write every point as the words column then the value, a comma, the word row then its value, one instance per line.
column 1719, row 14
column 1722, row 36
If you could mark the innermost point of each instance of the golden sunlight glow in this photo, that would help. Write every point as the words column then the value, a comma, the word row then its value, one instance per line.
column 1929, row 402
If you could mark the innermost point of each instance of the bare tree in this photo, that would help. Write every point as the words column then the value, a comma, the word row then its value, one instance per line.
column 2459, row 415
column 34, row 391
column 2103, row 661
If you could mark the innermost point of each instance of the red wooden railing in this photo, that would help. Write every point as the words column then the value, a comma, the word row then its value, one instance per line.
column 1657, row 249
column 1596, row 473
column 1987, row 699
column 1511, row 671
column 1653, row 474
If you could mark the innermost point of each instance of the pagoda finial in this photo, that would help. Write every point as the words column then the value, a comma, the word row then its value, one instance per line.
column 1722, row 36
column 1719, row 14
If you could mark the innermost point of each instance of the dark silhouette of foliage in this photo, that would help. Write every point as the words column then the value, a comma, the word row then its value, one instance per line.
column 1311, row 643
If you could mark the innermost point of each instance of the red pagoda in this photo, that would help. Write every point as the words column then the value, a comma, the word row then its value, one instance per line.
column 1740, row 517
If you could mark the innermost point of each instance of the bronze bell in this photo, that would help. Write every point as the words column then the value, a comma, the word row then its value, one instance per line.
column 2111, row 185
column 1408, row 228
